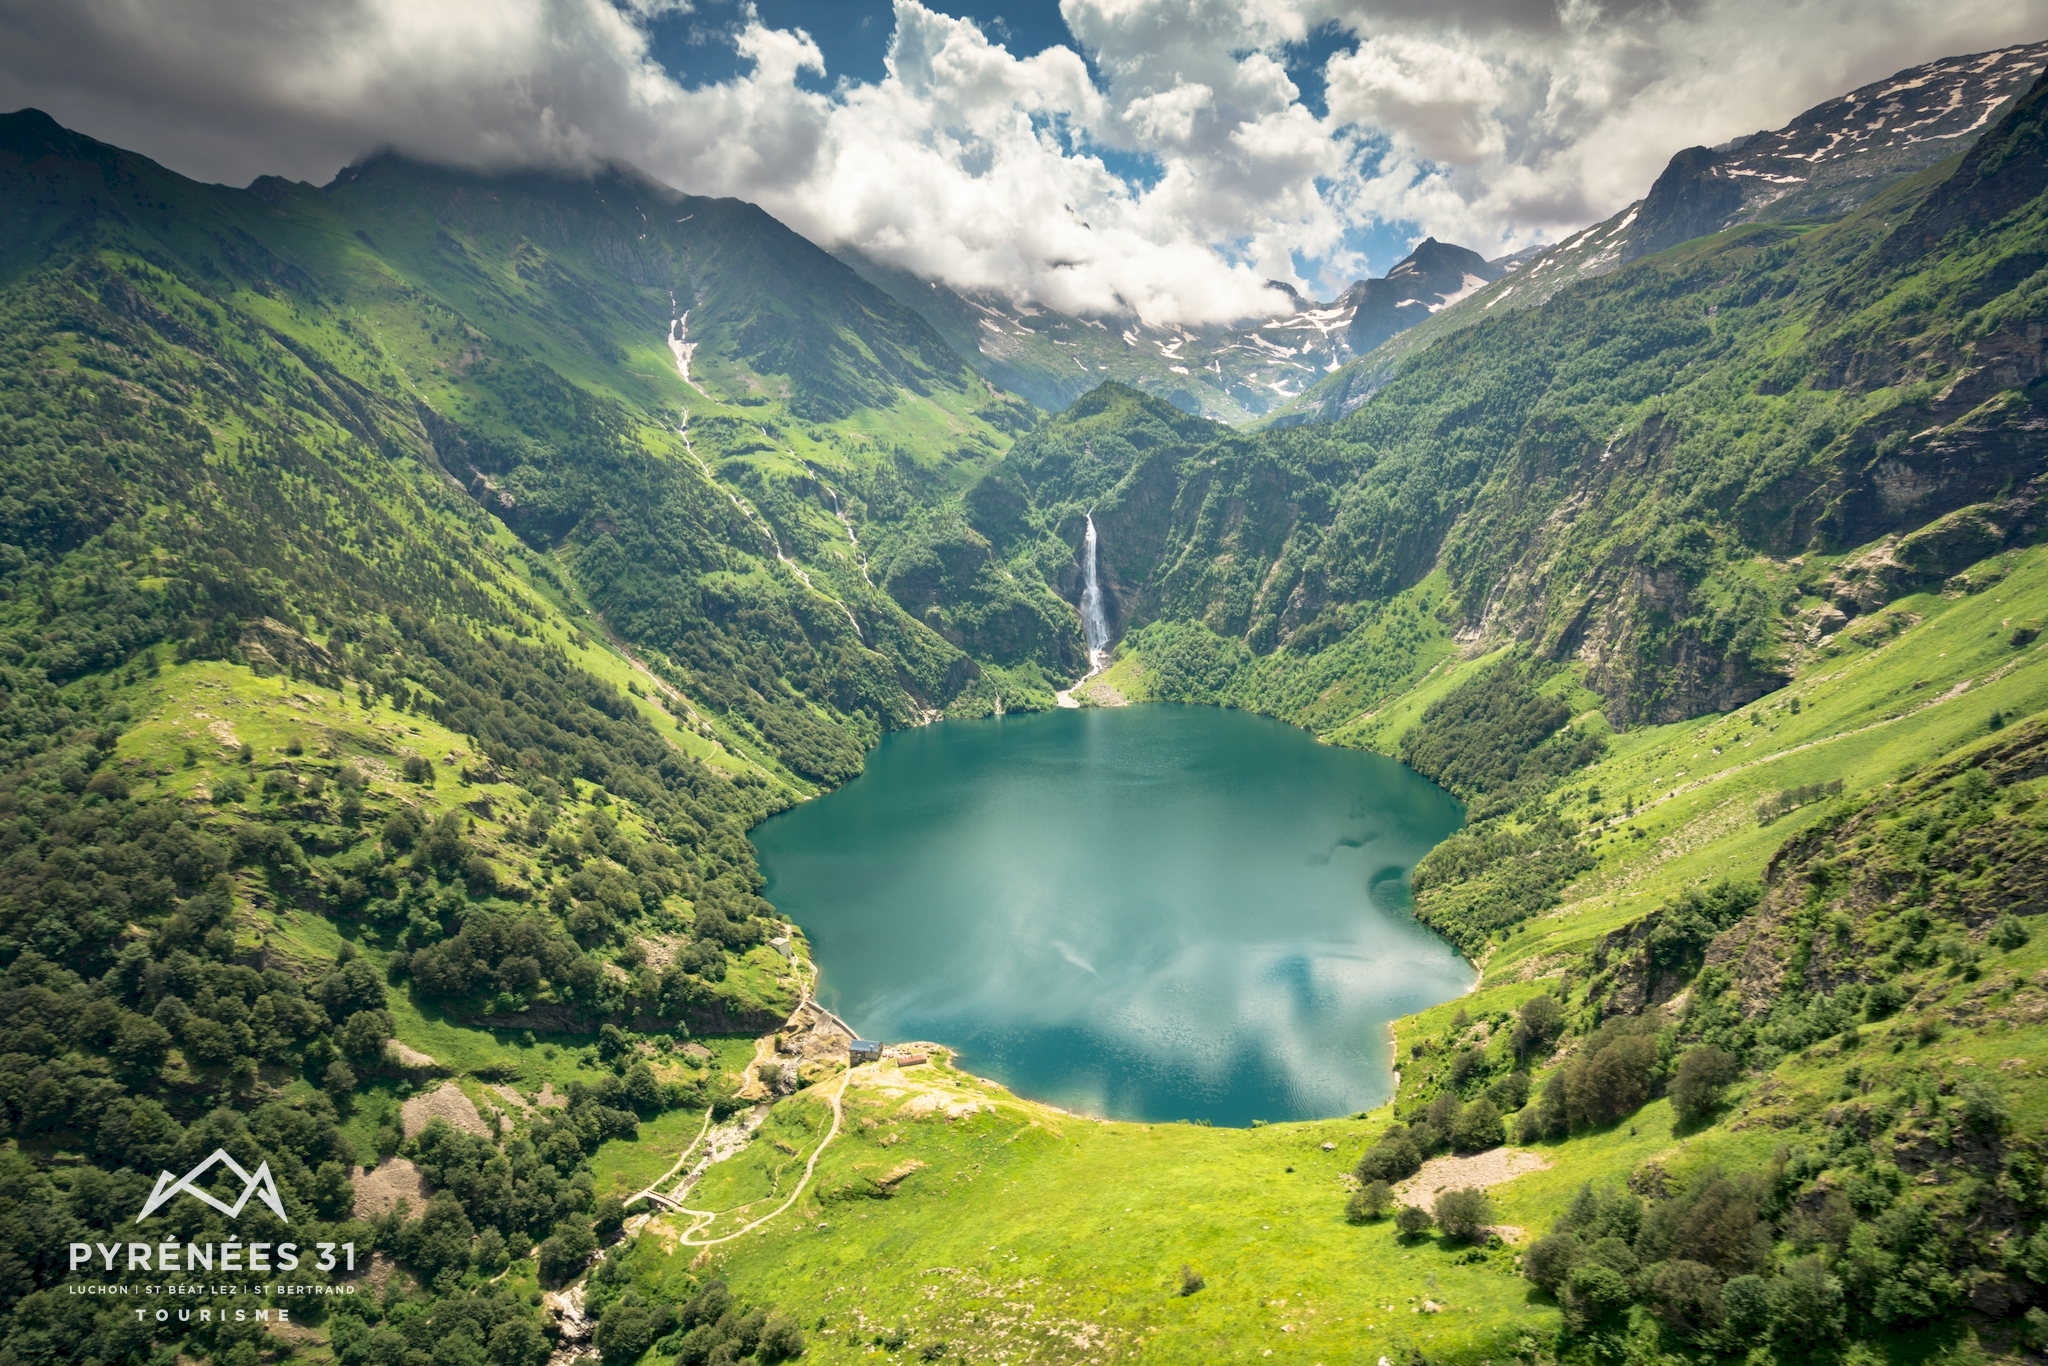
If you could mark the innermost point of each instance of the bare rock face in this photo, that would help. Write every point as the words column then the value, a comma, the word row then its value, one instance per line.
column 1434, row 275
column 408, row 1059
column 379, row 1189
column 1836, row 155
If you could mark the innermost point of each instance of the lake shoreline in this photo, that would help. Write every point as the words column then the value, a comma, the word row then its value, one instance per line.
column 1164, row 909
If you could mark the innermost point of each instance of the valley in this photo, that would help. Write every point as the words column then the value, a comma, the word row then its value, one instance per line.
column 421, row 591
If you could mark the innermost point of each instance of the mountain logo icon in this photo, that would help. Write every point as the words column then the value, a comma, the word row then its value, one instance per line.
column 259, row 1184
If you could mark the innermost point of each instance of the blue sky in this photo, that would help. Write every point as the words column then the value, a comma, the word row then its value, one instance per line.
column 853, row 34
column 698, row 48
column 1159, row 156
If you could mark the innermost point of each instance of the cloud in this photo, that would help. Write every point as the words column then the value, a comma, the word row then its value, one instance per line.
column 1443, row 101
column 1173, row 171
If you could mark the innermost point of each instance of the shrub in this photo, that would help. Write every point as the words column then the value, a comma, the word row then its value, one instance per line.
column 1510, row 1092
column 1714, row 1220
column 1593, row 1292
column 1544, row 1119
column 109, row 784
column 1687, row 1296
column 338, row 1081
column 565, row 1251
column 1464, row 1214
column 353, row 985
column 366, row 1032
column 1984, row 1109
column 401, row 828
column 1394, row 1158
column 1746, row 1307
column 1610, row 1078
column 491, row 1252
column 1537, row 1026
column 1806, row 1304
column 628, row 1327
column 334, row 1195
column 1369, row 1203
column 1413, row 1221
column 1549, row 1260
column 1883, row 1000
column 1696, row 1089
column 1477, row 1127
column 439, row 1239
column 781, row 1339
column 2008, row 933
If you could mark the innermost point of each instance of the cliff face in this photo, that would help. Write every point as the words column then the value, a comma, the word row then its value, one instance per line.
column 1634, row 475
column 1434, row 276
column 1836, row 156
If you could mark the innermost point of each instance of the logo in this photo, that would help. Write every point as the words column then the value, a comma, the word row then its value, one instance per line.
column 259, row 1185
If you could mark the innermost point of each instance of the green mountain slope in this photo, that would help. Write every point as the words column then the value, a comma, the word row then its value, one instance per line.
column 1843, row 900
column 1827, row 162
column 1761, row 999
column 1646, row 475
column 327, row 518
column 397, row 641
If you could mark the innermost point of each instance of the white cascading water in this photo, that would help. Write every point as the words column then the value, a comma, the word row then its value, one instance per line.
column 1094, row 625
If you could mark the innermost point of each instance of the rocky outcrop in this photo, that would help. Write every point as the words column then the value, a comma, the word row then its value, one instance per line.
column 1433, row 276
column 1837, row 155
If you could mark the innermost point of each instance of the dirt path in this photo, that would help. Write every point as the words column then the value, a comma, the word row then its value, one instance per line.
column 653, row 1191
column 699, row 1218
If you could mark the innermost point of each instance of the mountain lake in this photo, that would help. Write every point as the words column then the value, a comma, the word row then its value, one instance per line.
column 1149, row 913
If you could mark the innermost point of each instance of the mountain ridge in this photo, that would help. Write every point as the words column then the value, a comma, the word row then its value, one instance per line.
column 1233, row 372
column 1749, row 179
column 396, row 645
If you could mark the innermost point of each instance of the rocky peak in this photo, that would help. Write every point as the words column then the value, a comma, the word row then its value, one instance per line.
column 1837, row 154
column 1433, row 276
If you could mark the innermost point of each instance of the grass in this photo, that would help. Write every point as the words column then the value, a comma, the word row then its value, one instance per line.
column 921, row 1229
column 1014, row 1231
column 183, row 742
column 1090, row 1223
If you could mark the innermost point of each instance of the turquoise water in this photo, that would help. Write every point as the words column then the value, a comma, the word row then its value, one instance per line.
column 1153, row 912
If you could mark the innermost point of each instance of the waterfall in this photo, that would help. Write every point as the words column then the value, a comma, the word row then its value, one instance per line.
column 1094, row 625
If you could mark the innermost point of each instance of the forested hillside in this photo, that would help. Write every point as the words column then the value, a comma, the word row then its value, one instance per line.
column 412, row 589
column 322, row 513
column 1648, row 475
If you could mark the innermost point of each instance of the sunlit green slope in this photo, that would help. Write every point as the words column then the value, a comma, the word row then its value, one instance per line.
column 1841, row 900
column 329, row 772
column 395, row 647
